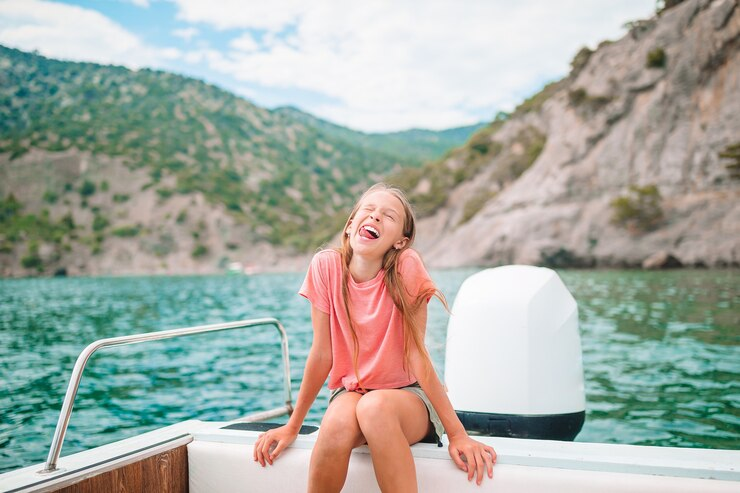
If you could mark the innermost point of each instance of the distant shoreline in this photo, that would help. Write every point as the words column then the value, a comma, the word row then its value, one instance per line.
column 301, row 271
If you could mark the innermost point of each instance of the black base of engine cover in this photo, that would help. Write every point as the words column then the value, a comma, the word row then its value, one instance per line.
column 543, row 427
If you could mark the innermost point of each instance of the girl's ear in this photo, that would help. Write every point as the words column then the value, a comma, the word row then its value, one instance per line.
column 400, row 243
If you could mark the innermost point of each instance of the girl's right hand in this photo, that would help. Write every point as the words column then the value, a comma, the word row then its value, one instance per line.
column 479, row 457
column 281, row 437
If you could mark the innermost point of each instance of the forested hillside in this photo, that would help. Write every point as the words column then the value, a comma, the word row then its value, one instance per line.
column 87, row 150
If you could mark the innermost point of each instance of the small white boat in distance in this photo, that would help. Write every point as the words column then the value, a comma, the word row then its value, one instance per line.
column 235, row 268
column 521, row 315
column 239, row 268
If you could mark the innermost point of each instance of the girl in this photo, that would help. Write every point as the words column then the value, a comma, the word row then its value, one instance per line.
column 369, row 309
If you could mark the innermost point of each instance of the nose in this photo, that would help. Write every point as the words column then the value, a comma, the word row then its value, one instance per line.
column 375, row 216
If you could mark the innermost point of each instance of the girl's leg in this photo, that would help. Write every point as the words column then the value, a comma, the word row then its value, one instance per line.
column 391, row 420
column 339, row 433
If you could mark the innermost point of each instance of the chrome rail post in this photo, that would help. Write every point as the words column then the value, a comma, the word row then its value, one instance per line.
column 74, row 381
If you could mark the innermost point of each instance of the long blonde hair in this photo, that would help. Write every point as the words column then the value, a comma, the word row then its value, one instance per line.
column 412, row 333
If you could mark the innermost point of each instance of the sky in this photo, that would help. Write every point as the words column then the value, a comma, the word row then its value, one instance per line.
column 374, row 66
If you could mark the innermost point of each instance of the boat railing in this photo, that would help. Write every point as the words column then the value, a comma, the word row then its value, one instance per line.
column 74, row 381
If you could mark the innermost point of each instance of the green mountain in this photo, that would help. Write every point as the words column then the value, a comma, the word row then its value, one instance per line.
column 415, row 144
column 283, row 174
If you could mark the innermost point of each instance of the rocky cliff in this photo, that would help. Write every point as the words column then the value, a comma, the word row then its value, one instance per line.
column 634, row 154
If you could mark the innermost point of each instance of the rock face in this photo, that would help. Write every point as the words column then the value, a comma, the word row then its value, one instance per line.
column 655, row 108
column 661, row 260
column 170, row 229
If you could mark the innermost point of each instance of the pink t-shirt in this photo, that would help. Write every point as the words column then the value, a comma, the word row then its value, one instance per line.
column 377, row 321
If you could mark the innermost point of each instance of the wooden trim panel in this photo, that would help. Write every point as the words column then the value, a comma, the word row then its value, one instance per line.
column 166, row 472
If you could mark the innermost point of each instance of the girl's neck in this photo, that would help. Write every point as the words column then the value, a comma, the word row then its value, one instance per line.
column 364, row 269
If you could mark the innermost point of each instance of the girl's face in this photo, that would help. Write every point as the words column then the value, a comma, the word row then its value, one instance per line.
column 378, row 225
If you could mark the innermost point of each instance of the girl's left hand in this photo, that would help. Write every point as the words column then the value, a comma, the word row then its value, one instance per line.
column 478, row 455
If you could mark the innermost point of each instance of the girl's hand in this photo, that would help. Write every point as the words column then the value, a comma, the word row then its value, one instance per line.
column 281, row 437
column 477, row 455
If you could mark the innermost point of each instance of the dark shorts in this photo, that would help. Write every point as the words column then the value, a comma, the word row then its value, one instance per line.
column 437, row 431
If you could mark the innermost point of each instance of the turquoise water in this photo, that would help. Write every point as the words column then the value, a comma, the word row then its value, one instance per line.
column 661, row 355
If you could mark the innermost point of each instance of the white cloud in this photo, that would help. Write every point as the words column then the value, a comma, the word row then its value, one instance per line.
column 245, row 43
column 74, row 33
column 141, row 3
column 378, row 65
column 391, row 65
column 186, row 33
column 227, row 14
column 213, row 57
column 170, row 54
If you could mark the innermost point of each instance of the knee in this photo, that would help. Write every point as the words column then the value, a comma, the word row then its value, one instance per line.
column 373, row 412
column 338, row 434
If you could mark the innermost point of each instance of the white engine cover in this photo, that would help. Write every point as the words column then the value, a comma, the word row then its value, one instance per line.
column 513, row 345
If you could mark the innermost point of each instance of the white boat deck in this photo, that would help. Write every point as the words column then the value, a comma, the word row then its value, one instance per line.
column 220, row 460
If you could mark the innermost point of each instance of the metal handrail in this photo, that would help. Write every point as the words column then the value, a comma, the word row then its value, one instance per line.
column 74, row 381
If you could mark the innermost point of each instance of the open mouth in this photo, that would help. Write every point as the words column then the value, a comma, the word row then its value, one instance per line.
column 369, row 232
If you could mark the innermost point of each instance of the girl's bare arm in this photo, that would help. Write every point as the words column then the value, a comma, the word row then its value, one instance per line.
column 478, row 456
column 317, row 369
column 432, row 386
